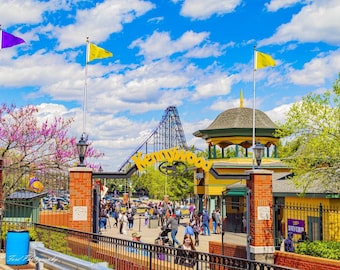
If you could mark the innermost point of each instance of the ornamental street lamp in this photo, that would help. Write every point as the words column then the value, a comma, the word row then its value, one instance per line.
column 258, row 152
column 82, row 147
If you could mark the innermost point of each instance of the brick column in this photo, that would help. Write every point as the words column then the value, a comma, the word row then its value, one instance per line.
column 261, row 216
column 81, row 199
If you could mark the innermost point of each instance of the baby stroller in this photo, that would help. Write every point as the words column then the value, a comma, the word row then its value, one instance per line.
column 163, row 238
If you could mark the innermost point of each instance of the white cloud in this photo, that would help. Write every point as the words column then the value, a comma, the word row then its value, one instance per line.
column 222, row 104
column 160, row 45
column 213, row 85
column 278, row 114
column 317, row 22
column 316, row 71
column 275, row 5
column 198, row 9
column 48, row 71
column 14, row 12
column 101, row 21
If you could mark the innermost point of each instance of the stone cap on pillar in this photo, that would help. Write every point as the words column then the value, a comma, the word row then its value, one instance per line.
column 80, row 169
column 259, row 171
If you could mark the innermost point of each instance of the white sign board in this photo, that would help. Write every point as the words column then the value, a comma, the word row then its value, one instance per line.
column 79, row 213
column 263, row 212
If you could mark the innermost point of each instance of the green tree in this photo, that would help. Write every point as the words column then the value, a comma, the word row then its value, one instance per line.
column 312, row 131
column 159, row 184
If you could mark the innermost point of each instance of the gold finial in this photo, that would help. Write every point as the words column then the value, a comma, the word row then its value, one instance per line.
column 241, row 99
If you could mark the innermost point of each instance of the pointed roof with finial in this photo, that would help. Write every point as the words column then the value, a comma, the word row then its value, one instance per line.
column 235, row 127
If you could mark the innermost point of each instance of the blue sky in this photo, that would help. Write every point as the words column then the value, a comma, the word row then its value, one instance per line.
column 194, row 54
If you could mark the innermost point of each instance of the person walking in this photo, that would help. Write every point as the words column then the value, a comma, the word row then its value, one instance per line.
column 146, row 217
column 188, row 229
column 124, row 223
column 115, row 215
column 173, row 225
column 218, row 221
column 213, row 214
column 205, row 222
column 196, row 225
column 120, row 223
column 191, row 211
column 130, row 218
column 160, row 216
column 103, row 218
column 178, row 214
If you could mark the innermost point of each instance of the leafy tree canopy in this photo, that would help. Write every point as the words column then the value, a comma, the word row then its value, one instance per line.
column 312, row 131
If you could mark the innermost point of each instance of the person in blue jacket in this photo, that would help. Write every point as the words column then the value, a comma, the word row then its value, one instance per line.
column 205, row 222
column 188, row 229
column 289, row 244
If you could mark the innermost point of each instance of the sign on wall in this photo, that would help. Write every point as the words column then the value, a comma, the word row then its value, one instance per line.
column 79, row 213
column 263, row 213
column 296, row 226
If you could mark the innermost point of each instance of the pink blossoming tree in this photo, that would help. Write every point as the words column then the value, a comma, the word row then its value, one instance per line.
column 27, row 145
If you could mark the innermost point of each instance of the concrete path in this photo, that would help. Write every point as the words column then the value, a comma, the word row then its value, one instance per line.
column 150, row 234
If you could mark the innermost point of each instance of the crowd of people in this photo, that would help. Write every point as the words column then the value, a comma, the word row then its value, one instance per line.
column 167, row 214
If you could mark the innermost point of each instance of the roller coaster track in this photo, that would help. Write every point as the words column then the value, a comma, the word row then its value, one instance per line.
column 168, row 134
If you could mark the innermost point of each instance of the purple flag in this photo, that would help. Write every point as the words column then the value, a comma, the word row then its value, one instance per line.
column 8, row 40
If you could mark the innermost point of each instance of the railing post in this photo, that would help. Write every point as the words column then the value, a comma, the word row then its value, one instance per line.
column 139, row 225
column 321, row 228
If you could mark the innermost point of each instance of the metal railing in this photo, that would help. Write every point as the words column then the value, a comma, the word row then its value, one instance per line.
column 125, row 254
column 319, row 221
column 43, row 256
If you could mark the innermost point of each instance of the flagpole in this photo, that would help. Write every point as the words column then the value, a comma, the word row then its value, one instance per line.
column 0, row 37
column 254, row 105
column 85, row 85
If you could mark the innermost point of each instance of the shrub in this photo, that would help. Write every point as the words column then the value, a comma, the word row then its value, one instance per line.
column 328, row 250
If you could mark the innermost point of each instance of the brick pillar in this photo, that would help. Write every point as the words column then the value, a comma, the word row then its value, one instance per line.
column 261, row 216
column 81, row 199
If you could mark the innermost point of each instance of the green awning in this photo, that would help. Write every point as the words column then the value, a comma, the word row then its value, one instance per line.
column 236, row 193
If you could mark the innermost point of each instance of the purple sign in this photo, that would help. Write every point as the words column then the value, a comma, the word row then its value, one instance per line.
column 296, row 226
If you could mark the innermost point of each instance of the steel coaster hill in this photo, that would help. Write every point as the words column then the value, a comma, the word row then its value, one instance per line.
column 168, row 134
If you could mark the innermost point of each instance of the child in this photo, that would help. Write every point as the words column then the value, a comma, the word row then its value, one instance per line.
column 146, row 216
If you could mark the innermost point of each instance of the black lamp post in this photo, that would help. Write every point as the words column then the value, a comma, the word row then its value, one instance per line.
column 258, row 152
column 82, row 147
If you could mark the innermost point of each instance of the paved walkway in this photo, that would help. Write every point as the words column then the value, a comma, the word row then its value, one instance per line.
column 150, row 234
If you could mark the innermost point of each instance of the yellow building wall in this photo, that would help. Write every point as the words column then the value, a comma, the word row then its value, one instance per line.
column 213, row 186
column 309, row 207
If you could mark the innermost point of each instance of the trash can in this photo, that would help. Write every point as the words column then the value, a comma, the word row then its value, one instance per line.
column 153, row 223
column 17, row 246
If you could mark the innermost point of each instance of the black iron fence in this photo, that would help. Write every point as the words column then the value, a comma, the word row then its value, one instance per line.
column 125, row 254
column 35, row 197
column 320, row 221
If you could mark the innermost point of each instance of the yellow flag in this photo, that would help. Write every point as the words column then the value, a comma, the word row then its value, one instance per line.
column 96, row 52
column 264, row 60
